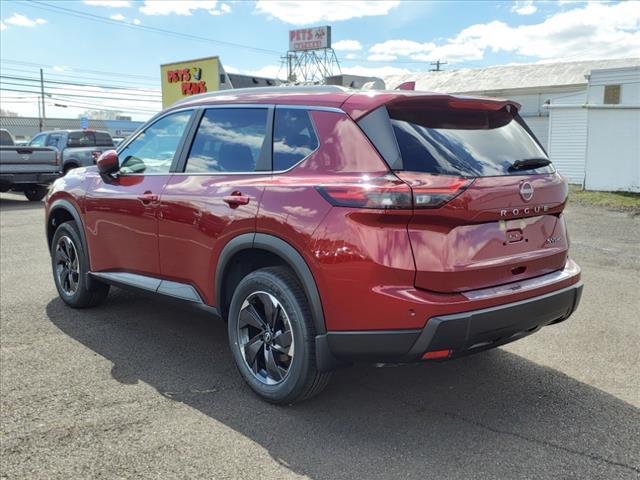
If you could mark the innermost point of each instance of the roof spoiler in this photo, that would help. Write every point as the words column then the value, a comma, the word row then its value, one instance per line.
column 406, row 86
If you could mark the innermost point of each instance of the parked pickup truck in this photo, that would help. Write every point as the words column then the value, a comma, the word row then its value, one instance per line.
column 78, row 148
column 27, row 169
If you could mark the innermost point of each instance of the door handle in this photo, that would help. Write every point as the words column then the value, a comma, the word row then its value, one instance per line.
column 235, row 199
column 148, row 197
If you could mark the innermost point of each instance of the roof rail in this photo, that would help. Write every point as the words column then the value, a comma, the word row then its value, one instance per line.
column 253, row 90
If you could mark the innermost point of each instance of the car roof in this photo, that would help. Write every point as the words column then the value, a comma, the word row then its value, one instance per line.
column 356, row 103
column 70, row 130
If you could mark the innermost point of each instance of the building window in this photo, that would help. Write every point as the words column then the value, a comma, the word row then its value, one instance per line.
column 612, row 94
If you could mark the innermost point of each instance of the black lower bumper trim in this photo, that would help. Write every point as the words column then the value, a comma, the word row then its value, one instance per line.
column 18, row 179
column 463, row 333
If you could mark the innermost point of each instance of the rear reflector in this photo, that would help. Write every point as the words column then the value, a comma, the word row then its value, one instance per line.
column 437, row 354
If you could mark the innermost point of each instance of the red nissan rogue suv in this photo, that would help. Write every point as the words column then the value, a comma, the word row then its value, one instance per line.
column 326, row 226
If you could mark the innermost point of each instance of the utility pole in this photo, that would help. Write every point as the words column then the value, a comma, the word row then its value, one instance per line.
column 437, row 64
column 42, row 119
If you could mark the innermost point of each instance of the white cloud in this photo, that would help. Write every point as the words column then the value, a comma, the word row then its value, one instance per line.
column 593, row 31
column 24, row 21
column 118, row 16
column 2, row 26
column 348, row 45
column 305, row 12
column 136, row 21
column 184, row 7
column 375, row 71
column 524, row 7
column 277, row 71
column 57, row 68
column 225, row 8
column 381, row 57
column 109, row 3
column 269, row 71
column 351, row 56
column 393, row 48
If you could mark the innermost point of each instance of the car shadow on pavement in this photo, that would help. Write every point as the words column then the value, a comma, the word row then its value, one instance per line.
column 17, row 202
column 493, row 415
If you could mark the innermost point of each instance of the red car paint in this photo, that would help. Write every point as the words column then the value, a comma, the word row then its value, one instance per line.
column 375, row 269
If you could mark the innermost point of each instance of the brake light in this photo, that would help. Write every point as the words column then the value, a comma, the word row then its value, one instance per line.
column 383, row 192
column 474, row 104
column 438, row 191
column 389, row 192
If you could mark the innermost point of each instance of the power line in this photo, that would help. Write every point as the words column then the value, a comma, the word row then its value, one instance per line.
column 89, row 97
column 156, row 95
column 59, row 76
column 99, row 18
column 100, row 72
column 74, row 104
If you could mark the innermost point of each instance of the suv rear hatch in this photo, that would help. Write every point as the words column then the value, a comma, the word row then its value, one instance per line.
column 486, row 202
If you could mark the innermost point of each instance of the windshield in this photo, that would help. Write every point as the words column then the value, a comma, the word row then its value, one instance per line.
column 468, row 143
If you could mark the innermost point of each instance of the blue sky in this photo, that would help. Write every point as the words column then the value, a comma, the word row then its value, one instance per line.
column 379, row 38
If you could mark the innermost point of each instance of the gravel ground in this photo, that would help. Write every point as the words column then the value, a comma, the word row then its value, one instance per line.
column 138, row 388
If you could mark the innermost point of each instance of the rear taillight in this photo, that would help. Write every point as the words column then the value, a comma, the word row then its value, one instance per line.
column 438, row 191
column 389, row 192
column 386, row 192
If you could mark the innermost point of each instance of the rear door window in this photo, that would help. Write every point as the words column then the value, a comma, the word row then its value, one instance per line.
column 5, row 138
column 468, row 143
column 54, row 140
column 228, row 140
column 81, row 139
column 294, row 137
column 103, row 139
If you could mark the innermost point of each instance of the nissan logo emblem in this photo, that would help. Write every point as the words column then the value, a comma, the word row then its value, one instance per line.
column 526, row 191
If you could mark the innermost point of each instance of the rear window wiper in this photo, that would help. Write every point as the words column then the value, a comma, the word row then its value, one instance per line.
column 529, row 164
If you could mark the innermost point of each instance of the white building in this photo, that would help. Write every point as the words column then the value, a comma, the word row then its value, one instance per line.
column 594, row 135
column 558, row 103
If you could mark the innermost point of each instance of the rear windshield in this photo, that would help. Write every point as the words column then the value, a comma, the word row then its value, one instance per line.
column 468, row 143
column 5, row 138
column 89, row 139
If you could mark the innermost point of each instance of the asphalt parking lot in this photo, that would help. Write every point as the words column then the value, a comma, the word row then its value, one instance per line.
column 138, row 388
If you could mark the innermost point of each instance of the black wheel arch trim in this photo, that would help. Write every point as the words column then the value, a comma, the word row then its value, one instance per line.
column 284, row 250
column 63, row 204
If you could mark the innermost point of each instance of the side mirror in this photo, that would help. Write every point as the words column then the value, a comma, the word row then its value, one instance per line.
column 108, row 162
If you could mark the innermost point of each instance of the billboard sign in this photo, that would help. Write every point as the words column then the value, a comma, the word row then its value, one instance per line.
column 182, row 79
column 310, row 38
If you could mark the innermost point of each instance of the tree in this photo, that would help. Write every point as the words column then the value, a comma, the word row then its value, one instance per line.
column 7, row 113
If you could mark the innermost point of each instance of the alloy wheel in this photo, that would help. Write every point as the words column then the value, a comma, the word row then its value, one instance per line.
column 67, row 265
column 265, row 338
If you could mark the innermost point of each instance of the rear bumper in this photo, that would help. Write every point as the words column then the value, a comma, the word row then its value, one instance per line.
column 10, row 179
column 461, row 333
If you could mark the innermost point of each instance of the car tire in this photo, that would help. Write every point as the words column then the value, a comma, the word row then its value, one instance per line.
column 70, row 265
column 277, row 372
column 35, row 193
column 68, row 167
